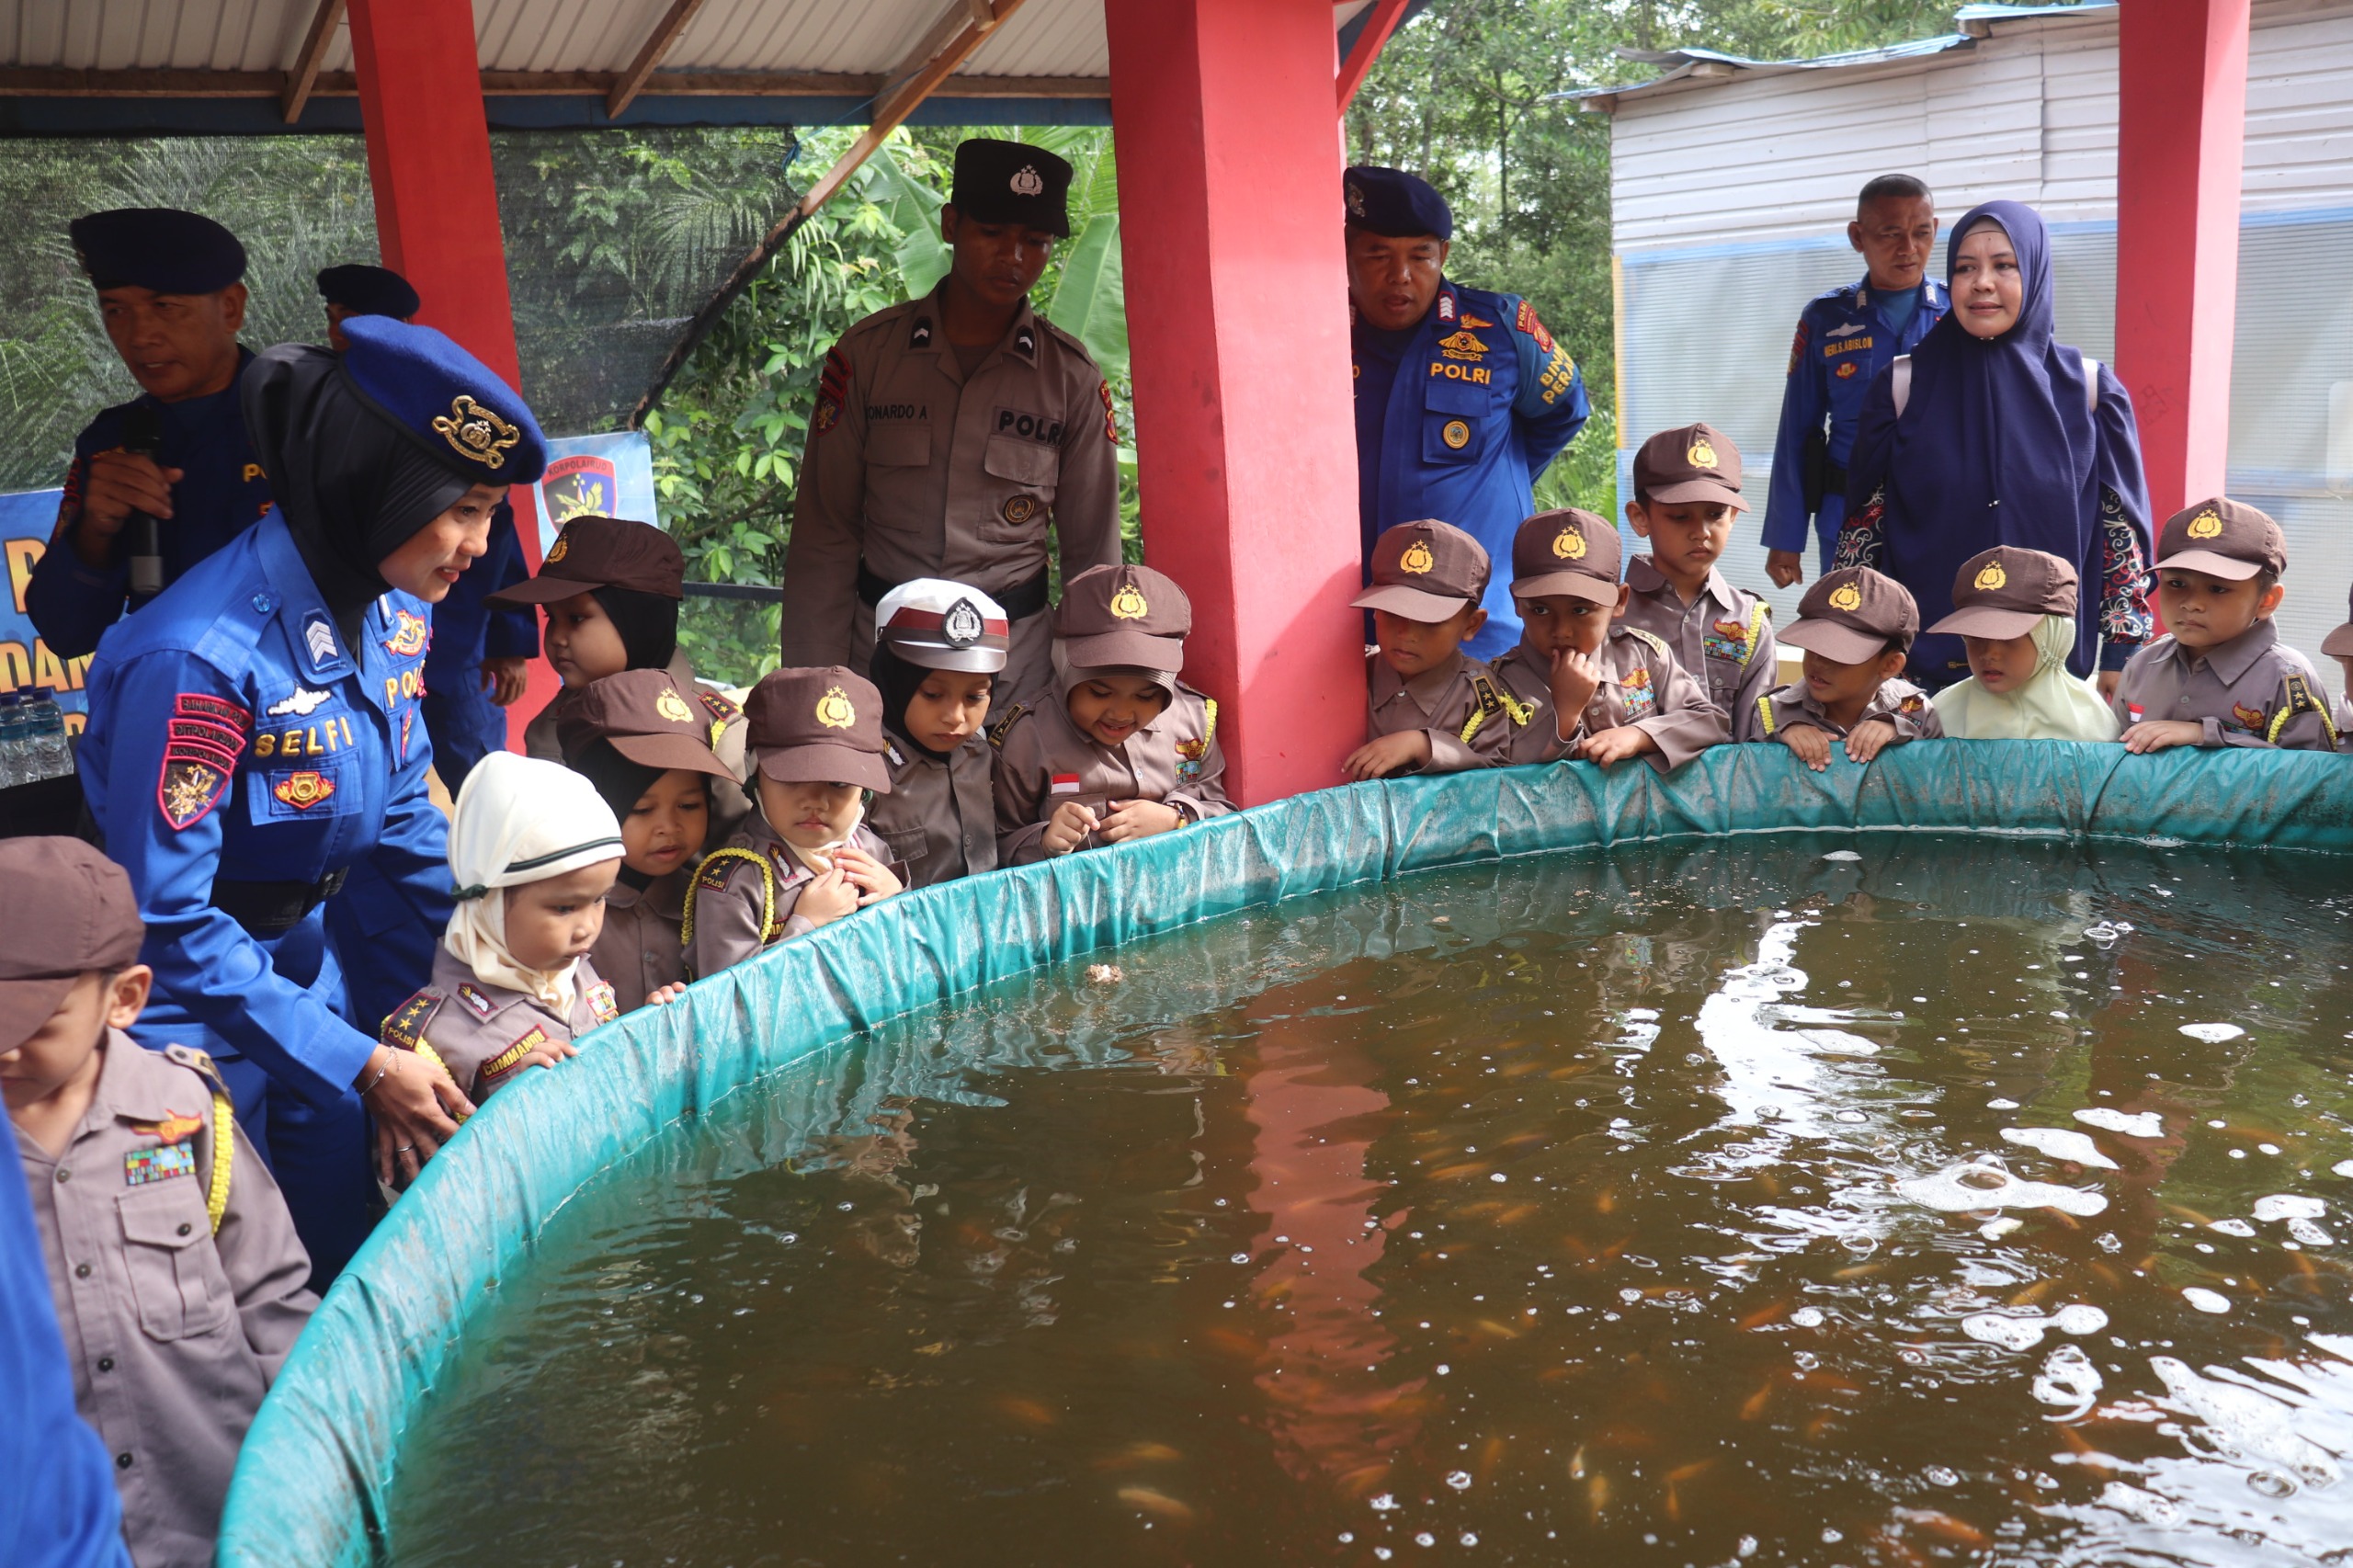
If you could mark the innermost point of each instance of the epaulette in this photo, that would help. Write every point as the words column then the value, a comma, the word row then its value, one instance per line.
column 2296, row 697
column 1492, row 701
column 404, row 1027
column 1657, row 643
column 717, row 868
column 1004, row 727
column 224, row 1132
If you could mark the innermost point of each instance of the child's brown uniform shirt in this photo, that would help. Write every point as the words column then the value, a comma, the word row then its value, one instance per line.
column 1642, row 686
column 735, row 908
column 1043, row 759
column 1899, row 702
column 1456, row 703
column 175, row 1328
column 483, row 1032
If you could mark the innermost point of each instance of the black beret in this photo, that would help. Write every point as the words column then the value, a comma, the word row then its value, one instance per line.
column 160, row 248
column 1392, row 202
column 1011, row 182
column 369, row 290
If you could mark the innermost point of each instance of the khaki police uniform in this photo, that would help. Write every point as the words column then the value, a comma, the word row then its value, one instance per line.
column 1642, row 686
column 640, row 951
column 2250, row 691
column 1898, row 701
column 179, row 1282
column 1724, row 637
column 743, row 899
column 482, row 1033
column 915, row 470
column 939, row 818
column 1457, row 704
column 1853, row 616
column 1043, row 759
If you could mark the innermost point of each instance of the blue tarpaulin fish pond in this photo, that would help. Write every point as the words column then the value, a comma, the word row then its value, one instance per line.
column 311, row 1486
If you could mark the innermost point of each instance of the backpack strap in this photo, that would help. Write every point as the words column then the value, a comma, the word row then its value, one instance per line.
column 1900, row 381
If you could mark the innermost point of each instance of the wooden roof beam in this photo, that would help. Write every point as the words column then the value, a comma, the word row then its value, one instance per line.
column 657, row 44
column 304, row 76
column 67, row 82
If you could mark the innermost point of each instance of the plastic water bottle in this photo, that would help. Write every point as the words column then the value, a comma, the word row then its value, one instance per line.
column 52, row 754
column 16, row 751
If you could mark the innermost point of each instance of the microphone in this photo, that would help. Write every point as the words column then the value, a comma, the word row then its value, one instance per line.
column 142, row 432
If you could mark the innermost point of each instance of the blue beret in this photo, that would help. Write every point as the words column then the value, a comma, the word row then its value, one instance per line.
column 369, row 290
column 1392, row 202
column 445, row 399
column 160, row 248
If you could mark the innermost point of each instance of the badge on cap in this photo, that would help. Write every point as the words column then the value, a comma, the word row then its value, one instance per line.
column 1024, row 181
column 473, row 431
column 1993, row 577
column 562, row 547
column 1356, row 199
column 1569, row 544
column 2207, row 524
column 1417, row 559
column 673, row 706
column 1456, row 435
column 1128, row 603
column 834, row 709
column 961, row 625
column 1702, row 453
column 1847, row 597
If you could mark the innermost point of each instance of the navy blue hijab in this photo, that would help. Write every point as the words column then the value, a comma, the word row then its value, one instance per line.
column 1999, row 443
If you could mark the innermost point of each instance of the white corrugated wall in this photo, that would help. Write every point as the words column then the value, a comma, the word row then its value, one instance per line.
column 1731, row 199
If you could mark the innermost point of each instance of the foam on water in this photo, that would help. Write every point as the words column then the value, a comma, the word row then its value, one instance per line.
column 2212, row 1034
column 2142, row 1124
column 1985, row 1183
column 2288, row 1206
column 2060, row 1144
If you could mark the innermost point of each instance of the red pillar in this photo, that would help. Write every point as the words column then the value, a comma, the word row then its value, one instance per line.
column 1237, row 321
column 436, row 203
column 2180, row 132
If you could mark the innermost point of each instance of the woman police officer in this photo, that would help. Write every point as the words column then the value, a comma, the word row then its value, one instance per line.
column 254, row 732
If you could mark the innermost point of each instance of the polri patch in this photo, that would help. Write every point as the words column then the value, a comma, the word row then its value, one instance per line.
column 141, row 1167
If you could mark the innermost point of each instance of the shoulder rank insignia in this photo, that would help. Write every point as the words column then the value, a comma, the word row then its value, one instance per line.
column 508, row 1059
column 404, row 1027
column 2246, row 718
column 601, row 1003
column 719, row 707
column 1656, row 643
column 2296, row 697
column 477, row 1002
column 1004, row 727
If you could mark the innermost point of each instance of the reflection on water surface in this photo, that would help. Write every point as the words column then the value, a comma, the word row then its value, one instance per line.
column 1749, row 1204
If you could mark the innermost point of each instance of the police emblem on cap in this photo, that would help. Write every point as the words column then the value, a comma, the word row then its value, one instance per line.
column 1702, row 454
column 473, row 431
column 1019, row 509
column 1024, row 181
column 835, row 710
column 1128, row 603
column 1569, row 544
column 1356, row 199
column 673, row 706
column 1418, row 559
column 961, row 625
column 557, row 551
column 1993, row 577
column 1847, row 597
column 1456, row 434
column 2207, row 524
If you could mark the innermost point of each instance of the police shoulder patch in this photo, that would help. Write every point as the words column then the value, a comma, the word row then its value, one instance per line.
column 404, row 1027
column 719, row 707
column 1004, row 727
column 1531, row 326
column 1657, row 644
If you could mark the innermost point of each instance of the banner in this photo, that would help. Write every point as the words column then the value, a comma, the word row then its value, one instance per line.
column 25, row 519
column 609, row 476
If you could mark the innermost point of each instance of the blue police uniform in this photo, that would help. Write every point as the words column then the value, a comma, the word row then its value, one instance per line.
column 466, row 724
column 1455, row 418
column 241, row 757
column 221, row 493
column 1844, row 336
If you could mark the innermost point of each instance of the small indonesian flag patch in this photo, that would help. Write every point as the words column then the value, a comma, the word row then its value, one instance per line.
column 1064, row 784
column 2134, row 709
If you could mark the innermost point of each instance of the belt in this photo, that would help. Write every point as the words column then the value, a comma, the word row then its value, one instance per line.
column 1021, row 601
column 272, row 909
column 1833, row 481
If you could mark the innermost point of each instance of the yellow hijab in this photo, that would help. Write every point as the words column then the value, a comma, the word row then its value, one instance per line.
column 2052, row 705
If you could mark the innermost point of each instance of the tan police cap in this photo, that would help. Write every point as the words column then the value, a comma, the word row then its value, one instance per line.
column 1123, row 617
column 2222, row 538
column 2004, row 590
column 71, row 911
column 1426, row 570
column 1853, row 616
column 603, row 552
column 817, row 726
column 1692, row 462
column 1567, row 552
column 646, row 718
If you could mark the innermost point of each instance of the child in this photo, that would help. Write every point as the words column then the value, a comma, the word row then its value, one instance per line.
column 1856, row 628
column 532, row 850
column 645, row 749
column 611, row 590
column 179, row 1280
column 805, row 857
column 1686, row 490
column 2220, row 677
column 1583, row 683
column 1429, row 708
column 2014, row 609
column 2338, row 645
column 1129, row 751
column 939, row 647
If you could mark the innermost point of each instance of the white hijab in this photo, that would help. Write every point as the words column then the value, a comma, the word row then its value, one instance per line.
column 2050, row 704
column 521, row 820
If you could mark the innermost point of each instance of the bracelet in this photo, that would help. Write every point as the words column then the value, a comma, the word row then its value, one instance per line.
column 381, row 1073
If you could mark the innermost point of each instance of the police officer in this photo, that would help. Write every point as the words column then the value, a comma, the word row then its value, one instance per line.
column 1462, row 396
column 169, row 289
column 1844, row 336
column 475, row 664
column 255, row 732
column 951, row 430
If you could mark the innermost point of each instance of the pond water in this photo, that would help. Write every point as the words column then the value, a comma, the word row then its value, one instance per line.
column 1802, row 1199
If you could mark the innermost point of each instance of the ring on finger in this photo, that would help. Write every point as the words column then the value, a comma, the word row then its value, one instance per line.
column 405, row 1149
